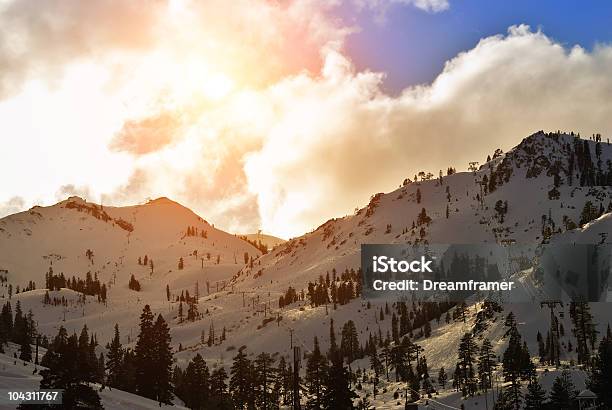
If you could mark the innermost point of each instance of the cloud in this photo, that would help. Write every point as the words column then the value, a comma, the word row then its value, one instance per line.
column 11, row 206
column 299, row 135
column 38, row 38
column 310, row 147
column 433, row 6
column 380, row 8
column 137, row 189
column 147, row 135
column 69, row 190
column 342, row 139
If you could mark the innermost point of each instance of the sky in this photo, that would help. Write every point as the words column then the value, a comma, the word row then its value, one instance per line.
column 278, row 115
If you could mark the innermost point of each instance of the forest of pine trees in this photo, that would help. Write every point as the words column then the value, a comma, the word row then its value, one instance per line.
column 19, row 329
column 328, row 379
column 339, row 290
column 90, row 286
column 71, row 365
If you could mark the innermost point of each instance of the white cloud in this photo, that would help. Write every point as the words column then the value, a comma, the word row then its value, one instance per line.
column 281, row 148
column 380, row 8
column 353, row 141
column 312, row 147
column 12, row 205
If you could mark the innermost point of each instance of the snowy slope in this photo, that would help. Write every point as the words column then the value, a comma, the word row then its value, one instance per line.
column 528, row 169
column 525, row 176
column 16, row 375
column 58, row 236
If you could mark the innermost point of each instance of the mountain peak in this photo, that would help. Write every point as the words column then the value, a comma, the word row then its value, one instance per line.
column 163, row 200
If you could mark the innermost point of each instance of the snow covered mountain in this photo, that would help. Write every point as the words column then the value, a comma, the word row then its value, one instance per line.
column 530, row 194
column 146, row 241
column 551, row 187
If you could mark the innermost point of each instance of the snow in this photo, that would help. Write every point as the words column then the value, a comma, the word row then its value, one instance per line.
column 58, row 236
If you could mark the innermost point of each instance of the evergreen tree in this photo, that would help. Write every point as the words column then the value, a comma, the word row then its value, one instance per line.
column 195, row 386
column 61, row 372
column 316, row 377
column 114, row 363
column 337, row 392
column 6, row 323
column 25, row 352
column 333, row 346
column 283, row 385
column 584, row 330
column 162, row 356
column 145, row 356
column 219, row 398
column 535, row 397
column 465, row 374
column 486, row 364
column 600, row 380
column 442, row 377
column 513, row 364
column 349, row 344
column 241, row 380
column 19, row 325
column 266, row 397
column 563, row 392
column 589, row 213
column 84, row 368
column 127, row 378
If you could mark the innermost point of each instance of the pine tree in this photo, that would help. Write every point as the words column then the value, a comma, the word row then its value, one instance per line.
column 386, row 357
column 162, row 356
column 266, row 397
column 283, row 385
column 61, row 372
column 486, row 364
column 584, row 330
column 219, row 398
column 127, row 376
column 337, row 392
column 25, row 352
column 535, row 397
column 600, row 379
column 6, row 323
column 563, row 392
column 333, row 346
column 465, row 375
column 195, row 385
column 241, row 381
column 145, row 356
column 398, row 360
column 19, row 325
column 349, row 345
column 192, row 311
column 442, row 378
column 513, row 363
column 589, row 213
column 85, row 368
column 316, row 377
